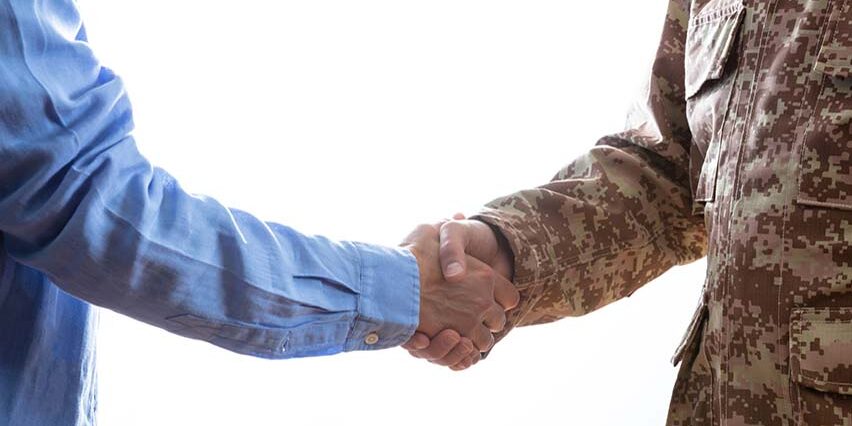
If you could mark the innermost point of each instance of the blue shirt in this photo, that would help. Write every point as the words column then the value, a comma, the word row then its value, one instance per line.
column 84, row 218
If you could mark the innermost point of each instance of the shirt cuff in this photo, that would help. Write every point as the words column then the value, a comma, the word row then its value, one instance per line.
column 389, row 300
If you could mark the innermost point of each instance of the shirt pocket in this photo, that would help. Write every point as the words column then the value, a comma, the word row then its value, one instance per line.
column 825, row 177
column 821, row 364
column 710, row 72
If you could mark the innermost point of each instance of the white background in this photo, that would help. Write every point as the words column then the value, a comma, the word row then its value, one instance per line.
column 358, row 119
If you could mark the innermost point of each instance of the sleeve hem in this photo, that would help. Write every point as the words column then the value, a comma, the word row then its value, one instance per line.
column 530, row 258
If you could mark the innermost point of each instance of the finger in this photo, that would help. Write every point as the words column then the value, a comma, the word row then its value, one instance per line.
column 467, row 362
column 459, row 216
column 482, row 338
column 475, row 358
column 420, row 233
column 454, row 240
column 441, row 345
column 505, row 293
column 459, row 367
column 417, row 342
column 495, row 319
column 461, row 352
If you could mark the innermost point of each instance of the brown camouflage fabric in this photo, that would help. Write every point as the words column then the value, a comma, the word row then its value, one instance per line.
column 742, row 152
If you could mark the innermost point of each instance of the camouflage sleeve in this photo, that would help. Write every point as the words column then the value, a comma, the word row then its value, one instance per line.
column 617, row 217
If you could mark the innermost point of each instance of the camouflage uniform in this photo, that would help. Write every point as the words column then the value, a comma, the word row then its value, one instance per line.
column 743, row 152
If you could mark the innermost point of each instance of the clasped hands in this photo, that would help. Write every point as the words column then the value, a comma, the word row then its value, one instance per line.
column 465, row 290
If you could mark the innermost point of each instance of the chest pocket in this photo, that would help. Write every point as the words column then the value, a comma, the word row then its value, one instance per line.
column 826, row 163
column 711, row 42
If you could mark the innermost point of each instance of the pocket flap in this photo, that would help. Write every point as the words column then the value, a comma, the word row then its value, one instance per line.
column 821, row 349
column 710, row 39
column 835, row 54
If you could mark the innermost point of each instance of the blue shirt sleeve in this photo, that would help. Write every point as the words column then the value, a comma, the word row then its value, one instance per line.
column 79, row 203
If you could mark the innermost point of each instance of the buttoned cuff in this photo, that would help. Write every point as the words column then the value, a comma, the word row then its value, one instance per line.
column 388, row 301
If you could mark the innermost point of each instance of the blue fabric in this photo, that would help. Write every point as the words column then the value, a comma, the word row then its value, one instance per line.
column 84, row 218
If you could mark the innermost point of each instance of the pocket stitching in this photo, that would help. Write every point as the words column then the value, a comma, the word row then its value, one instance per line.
column 797, row 315
column 828, row 35
column 705, row 189
column 717, row 14
column 718, row 65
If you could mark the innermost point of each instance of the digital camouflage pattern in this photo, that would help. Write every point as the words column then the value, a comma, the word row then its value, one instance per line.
column 743, row 152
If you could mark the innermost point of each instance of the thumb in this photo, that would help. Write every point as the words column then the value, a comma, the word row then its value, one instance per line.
column 454, row 237
column 505, row 293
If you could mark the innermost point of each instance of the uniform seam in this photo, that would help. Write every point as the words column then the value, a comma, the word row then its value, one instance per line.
column 574, row 263
column 735, row 196
column 807, row 380
column 791, row 387
column 802, row 116
column 811, row 202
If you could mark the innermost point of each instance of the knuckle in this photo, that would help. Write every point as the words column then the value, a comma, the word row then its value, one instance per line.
column 488, row 278
column 452, row 226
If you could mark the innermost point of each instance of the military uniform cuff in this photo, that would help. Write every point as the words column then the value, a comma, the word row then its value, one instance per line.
column 526, row 236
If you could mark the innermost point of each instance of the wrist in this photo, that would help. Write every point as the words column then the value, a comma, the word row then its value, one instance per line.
column 504, row 259
column 424, row 272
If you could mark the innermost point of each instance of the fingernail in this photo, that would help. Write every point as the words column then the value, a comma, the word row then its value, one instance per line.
column 453, row 269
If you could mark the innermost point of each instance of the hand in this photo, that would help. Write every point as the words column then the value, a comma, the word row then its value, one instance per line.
column 448, row 349
column 474, row 307
column 460, row 238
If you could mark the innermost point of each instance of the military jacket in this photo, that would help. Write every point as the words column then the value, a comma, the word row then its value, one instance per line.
column 741, row 151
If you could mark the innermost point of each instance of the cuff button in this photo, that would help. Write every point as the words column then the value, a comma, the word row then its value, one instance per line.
column 372, row 339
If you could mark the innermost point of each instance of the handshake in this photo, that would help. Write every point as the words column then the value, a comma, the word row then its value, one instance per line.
column 465, row 290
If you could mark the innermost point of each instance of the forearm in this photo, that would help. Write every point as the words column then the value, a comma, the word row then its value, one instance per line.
column 619, row 215
column 595, row 234
column 81, row 204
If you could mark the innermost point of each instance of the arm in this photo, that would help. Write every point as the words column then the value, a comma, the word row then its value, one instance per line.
column 617, row 217
column 79, row 203
column 611, row 221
